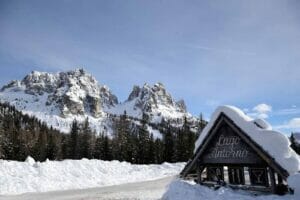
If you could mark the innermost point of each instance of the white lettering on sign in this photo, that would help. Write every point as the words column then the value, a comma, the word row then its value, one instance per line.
column 228, row 141
column 228, row 147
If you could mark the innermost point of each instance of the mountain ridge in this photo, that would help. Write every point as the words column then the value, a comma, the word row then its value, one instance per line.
column 59, row 98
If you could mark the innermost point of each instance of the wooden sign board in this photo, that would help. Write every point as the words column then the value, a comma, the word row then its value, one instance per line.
column 228, row 148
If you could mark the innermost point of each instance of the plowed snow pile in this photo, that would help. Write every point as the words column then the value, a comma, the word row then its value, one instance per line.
column 31, row 176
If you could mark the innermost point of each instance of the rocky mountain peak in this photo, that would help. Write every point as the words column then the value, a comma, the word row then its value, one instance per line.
column 108, row 98
column 74, row 92
column 150, row 98
column 135, row 93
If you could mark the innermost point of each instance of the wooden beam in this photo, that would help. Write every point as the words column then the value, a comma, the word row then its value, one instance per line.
column 199, row 173
column 273, row 181
column 241, row 187
column 279, row 179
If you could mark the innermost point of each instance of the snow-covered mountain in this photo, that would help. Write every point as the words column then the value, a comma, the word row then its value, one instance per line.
column 59, row 98
column 154, row 101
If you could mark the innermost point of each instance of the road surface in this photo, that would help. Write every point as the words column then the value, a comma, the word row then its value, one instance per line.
column 141, row 190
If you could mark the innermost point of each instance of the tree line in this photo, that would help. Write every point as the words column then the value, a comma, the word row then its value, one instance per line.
column 23, row 135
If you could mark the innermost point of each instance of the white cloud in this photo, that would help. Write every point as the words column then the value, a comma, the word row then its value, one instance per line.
column 287, row 111
column 262, row 108
column 246, row 110
column 292, row 124
column 261, row 111
column 260, row 115
column 220, row 50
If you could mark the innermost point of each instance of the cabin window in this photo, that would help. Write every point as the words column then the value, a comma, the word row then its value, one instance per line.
column 259, row 176
column 236, row 175
column 215, row 173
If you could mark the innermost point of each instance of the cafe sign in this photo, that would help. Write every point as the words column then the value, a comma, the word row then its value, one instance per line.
column 228, row 148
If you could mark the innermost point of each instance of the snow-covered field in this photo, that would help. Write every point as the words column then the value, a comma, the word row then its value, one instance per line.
column 31, row 176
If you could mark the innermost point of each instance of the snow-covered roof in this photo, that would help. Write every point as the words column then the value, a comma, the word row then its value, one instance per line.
column 276, row 144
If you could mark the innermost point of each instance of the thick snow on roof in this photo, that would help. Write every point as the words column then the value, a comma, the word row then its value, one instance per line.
column 273, row 142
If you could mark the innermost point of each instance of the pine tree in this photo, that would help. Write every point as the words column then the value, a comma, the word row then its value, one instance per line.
column 73, row 145
column 168, row 145
column 86, row 141
column 159, row 151
column 106, row 149
column 180, row 146
column 190, row 138
column 53, row 147
column 151, row 150
column 98, row 151
column 103, row 149
column 143, row 141
column 40, row 148
column 17, row 141
column 65, row 146
column 122, row 133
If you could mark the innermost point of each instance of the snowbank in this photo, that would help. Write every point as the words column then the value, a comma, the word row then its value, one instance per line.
column 30, row 176
column 179, row 190
column 275, row 143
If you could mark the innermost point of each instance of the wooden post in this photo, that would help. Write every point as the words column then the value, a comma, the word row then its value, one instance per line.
column 199, row 172
column 279, row 179
column 273, row 182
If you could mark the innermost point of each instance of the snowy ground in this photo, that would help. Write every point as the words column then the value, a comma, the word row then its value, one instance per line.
column 179, row 190
column 31, row 176
column 168, row 188
column 142, row 190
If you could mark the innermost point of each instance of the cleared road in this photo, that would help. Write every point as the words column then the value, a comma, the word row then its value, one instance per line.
column 141, row 190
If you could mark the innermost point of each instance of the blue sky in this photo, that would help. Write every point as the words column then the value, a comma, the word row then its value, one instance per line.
column 244, row 53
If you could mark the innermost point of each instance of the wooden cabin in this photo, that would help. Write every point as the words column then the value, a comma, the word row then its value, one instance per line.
column 227, row 155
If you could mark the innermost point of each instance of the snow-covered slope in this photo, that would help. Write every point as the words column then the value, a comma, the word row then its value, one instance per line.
column 59, row 98
column 30, row 176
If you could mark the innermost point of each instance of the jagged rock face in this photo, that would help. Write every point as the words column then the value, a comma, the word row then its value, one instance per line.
column 16, row 85
column 108, row 99
column 73, row 92
column 38, row 83
column 135, row 93
column 153, row 98
column 181, row 105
